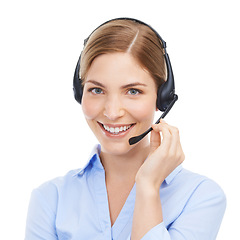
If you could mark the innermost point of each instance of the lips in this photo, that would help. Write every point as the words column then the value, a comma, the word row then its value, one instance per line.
column 116, row 130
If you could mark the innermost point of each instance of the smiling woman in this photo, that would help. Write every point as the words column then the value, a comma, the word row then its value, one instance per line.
column 121, row 95
column 125, row 191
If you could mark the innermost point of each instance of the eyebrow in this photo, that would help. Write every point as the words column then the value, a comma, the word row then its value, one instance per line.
column 134, row 84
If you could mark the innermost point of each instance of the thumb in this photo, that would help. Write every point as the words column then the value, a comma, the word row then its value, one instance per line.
column 155, row 139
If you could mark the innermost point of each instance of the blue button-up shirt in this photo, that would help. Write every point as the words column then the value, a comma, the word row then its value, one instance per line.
column 76, row 207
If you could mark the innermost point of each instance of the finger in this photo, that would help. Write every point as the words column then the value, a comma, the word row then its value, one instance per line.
column 171, row 145
column 155, row 140
column 174, row 148
column 162, row 120
column 175, row 141
column 173, row 130
column 166, row 136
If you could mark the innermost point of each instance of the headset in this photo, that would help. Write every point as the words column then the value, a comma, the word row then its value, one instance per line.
column 166, row 96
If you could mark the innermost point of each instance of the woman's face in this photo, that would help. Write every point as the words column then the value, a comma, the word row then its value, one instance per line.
column 119, row 102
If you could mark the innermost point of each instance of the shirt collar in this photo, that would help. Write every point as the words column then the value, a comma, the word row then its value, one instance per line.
column 173, row 174
column 94, row 160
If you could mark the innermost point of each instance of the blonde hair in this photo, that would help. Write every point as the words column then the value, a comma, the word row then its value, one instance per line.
column 126, row 36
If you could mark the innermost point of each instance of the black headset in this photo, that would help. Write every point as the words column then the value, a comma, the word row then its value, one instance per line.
column 166, row 96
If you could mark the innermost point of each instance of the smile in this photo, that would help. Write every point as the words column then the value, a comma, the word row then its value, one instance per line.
column 116, row 130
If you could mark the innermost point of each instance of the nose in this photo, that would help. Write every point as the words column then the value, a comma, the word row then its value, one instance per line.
column 113, row 108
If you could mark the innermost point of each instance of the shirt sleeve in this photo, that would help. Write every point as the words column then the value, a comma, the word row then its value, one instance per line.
column 41, row 215
column 200, row 219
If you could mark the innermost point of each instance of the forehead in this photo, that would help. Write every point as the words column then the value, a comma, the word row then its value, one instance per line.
column 118, row 69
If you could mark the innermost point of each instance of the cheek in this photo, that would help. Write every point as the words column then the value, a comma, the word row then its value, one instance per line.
column 143, row 110
column 90, row 107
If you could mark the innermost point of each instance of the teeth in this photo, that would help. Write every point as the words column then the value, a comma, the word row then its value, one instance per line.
column 117, row 129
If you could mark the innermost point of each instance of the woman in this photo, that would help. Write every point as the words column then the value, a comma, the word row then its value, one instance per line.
column 138, row 191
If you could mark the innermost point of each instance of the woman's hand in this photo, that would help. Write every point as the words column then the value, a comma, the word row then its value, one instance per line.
column 165, row 155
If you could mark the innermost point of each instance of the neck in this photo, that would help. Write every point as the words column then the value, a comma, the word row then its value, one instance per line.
column 123, row 168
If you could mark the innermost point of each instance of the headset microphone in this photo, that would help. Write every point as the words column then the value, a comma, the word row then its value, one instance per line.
column 166, row 96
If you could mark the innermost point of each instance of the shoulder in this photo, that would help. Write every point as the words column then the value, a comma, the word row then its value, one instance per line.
column 193, row 205
column 51, row 189
column 44, row 206
column 200, row 189
column 185, row 184
column 197, row 180
column 59, row 182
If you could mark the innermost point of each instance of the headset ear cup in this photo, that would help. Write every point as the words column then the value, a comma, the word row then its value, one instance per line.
column 166, row 92
column 77, row 84
column 160, row 105
column 78, row 91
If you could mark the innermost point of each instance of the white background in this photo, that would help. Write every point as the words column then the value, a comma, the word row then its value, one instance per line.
column 43, row 133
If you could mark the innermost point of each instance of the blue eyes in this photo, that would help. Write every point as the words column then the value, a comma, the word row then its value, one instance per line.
column 132, row 91
column 96, row 90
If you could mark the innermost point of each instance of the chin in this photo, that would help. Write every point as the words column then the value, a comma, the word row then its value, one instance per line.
column 121, row 147
column 115, row 148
